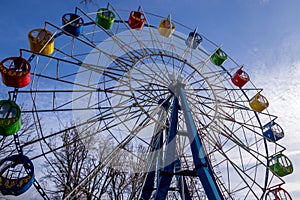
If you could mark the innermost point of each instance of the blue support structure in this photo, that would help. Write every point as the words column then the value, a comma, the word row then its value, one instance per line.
column 202, row 166
column 169, row 159
column 171, row 162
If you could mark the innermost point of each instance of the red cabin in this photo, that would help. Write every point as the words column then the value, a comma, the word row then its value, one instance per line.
column 15, row 72
column 277, row 193
column 136, row 20
column 240, row 78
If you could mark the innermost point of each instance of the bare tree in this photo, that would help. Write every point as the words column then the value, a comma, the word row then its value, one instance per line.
column 126, row 179
column 74, row 162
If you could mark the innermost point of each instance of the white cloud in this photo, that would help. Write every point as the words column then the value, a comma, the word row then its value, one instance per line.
column 277, row 71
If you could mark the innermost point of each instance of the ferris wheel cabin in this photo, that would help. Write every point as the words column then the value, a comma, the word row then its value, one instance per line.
column 277, row 193
column 136, row 20
column 15, row 72
column 280, row 165
column 16, row 175
column 73, row 24
column 166, row 27
column 41, row 41
column 218, row 57
column 193, row 40
column 105, row 18
column 240, row 78
column 272, row 131
column 10, row 118
column 258, row 103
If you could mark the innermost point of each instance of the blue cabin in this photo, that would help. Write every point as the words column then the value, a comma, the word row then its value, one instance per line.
column 193, row 40
column 14, row 179
column 272, row 131
column 72, row 24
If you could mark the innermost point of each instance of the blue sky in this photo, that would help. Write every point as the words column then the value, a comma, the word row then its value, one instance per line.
column 261, row 34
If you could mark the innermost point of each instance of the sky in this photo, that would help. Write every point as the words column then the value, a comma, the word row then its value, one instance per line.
column 263, row 35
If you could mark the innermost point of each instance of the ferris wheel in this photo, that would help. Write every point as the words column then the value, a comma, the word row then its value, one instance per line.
column 173, row 106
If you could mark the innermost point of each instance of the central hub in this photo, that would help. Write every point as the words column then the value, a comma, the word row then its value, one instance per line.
column 176, row 82
column 159, row 76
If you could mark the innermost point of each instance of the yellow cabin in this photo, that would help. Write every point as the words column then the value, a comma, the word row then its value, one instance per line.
column 41, row 41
